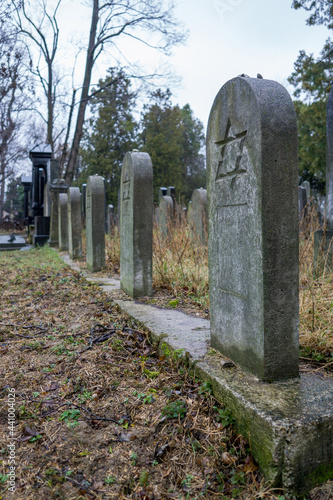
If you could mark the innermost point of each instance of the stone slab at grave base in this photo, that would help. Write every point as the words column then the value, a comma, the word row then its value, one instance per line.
column 289, row 424
column 5, row 245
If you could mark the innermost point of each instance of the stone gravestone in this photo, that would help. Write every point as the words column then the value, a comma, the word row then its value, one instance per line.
column 253, row 233
column 307, row 186
column 136, row 224
column 95, row 223
column 57, row 187
column 323, row 239
column 63, row 222
column 198, row 216
column 302, row 202
column 111, row 219
column 165, row 215
column 74, row 223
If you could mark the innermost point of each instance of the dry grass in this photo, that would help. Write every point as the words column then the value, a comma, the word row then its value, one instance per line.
column 316, row 298
column 100, row 412
column 180, row 268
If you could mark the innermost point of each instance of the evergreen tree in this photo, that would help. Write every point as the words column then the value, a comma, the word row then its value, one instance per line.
column 174, row 140
column 112, row 131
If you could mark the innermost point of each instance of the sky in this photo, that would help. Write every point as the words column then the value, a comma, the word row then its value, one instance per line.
column 225, row 38
column 231, row 37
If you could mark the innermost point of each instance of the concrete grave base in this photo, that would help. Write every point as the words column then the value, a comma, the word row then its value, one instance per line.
column 5, row 245
column 289, row 424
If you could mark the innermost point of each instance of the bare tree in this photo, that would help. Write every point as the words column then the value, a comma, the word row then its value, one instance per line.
column 14, row 82
column 33, row 20
column 151, row 22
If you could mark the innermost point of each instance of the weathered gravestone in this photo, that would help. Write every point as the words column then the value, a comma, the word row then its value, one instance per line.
column 253, row 233
column 57, row 187
column 197, row 215
column 74, row 223
column 302, row 202
column 95, row 223
column 165, row 215
column 323, row 240
column 136, row 224
column 63, row 222
column 111, row 221
column 307, row 186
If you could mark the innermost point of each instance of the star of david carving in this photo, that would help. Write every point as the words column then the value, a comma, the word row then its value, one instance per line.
column 232, row 145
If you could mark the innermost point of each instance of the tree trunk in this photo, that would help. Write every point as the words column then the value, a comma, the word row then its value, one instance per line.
column 71, row 165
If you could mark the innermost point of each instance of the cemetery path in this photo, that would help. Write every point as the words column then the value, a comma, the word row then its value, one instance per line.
column 99, row 412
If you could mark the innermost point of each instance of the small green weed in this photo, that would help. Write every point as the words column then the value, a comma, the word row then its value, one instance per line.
column 144, row 478
column 175, row 409
column 224, row 416
column 133, row 457
column 110, row 480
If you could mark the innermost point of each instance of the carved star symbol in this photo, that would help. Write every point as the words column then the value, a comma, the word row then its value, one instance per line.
column 231, row 154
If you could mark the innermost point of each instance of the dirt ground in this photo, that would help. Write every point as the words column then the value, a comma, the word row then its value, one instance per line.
column 99, row 412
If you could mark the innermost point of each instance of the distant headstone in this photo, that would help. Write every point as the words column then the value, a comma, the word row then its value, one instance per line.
column 329, row 160
column 136, row 224
column 253, row 233
column 302, row 202
column 83, row 200
column 307, row 186
column 198, row 216
column 165, row 215
column 57, row 187
column 74, row 223
column 95, row 223
column 111, row 219
column 63, row 222
column 162, row 192
column 323, row 240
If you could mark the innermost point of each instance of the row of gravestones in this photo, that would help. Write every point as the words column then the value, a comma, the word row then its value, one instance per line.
column 253, row 242
column 66, row 221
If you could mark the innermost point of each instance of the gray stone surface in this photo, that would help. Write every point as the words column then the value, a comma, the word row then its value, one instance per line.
column 74, row 223
column 307, row 186
column 136, row 224
column 197, row 216
column 63, row 221
column 57, row 187
column 165, row 215
column 16, row 244
column 253, row 233
column 289, row 424
column 95, row 223
column 302, row 202
column 329, row 160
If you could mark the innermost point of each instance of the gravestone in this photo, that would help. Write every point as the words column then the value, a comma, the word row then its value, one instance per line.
column 307, row 186
column 162, row 192
column 95, row 223
column 74, row 223
column 63, row 221
column 83, row 200
column 197, row 216
column 329, row 161
column 302, row 202
column 136, row 224
column 323, row 240
column 165, row 215
column 111, row 219
column 253, row 233
column 57, row 187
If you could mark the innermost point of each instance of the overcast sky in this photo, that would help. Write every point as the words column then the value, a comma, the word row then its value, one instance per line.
column 226, row 38
column 230, row 37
